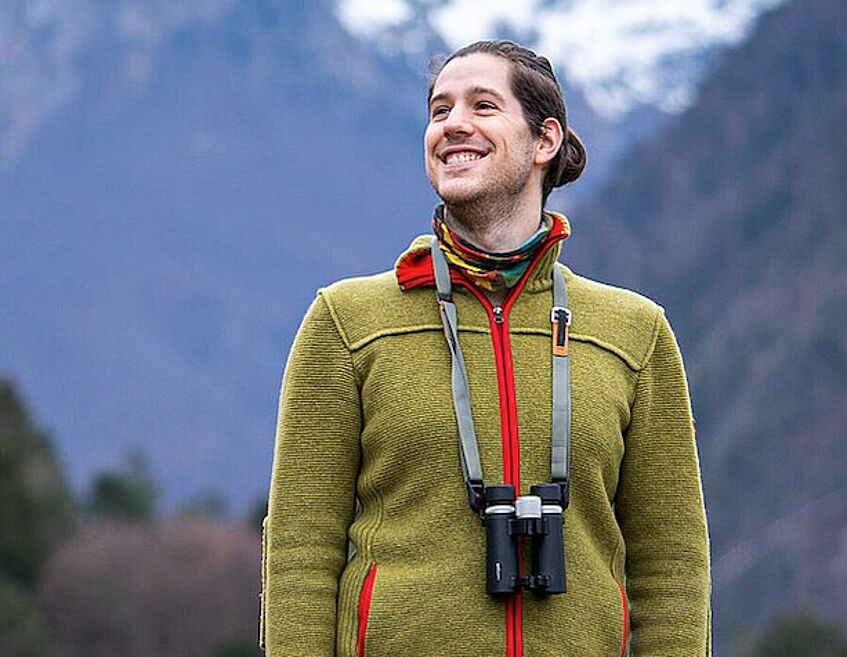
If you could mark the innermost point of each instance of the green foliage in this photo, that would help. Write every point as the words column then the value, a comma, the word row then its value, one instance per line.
column 237, row 649
column 23, row 632
column 799, row 635
column 127, row 494
column 36, row 508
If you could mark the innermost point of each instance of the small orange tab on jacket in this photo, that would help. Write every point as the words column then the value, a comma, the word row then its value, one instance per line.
column 560, row 349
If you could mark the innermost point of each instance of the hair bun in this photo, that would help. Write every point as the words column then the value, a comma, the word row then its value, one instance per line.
column 573, row 159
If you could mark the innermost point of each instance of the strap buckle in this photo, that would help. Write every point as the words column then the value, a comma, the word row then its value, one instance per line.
column 565, row 487
column 561, row 314
column 476, row 496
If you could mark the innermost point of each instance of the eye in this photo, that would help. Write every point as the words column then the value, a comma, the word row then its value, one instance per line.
column 439, row 111
column 485, row 106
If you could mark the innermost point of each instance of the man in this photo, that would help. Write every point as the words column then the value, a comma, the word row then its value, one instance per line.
column 384, row 372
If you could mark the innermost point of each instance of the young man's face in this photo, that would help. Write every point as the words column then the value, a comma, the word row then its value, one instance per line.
column 477, row 143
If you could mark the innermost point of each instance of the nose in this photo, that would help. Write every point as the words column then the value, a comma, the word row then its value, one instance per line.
column 458, row 123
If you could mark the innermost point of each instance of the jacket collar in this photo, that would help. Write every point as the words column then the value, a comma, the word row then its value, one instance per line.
column 414, row 267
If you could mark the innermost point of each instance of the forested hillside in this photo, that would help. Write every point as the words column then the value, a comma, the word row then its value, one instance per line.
column 734, row 218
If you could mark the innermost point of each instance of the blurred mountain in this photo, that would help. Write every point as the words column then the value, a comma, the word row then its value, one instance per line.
column 193, row 172
column 733, row 217
column 176, row 180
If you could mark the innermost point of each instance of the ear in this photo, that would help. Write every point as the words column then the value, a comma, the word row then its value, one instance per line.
column 550, row 140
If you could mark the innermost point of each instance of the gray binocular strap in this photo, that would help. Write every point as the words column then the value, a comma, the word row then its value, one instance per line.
column 468, row 448
column 560, row 452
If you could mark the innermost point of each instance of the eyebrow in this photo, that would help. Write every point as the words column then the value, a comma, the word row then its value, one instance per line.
column 473, row 91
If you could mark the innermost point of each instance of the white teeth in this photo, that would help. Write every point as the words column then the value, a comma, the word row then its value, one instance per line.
column 463, row 156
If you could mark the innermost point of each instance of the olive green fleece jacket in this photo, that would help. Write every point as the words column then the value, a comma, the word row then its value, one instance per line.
column 366, row 413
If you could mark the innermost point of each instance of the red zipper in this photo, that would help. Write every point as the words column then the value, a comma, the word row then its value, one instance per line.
column 625, row 603
column 498, row 318
column 365, row 597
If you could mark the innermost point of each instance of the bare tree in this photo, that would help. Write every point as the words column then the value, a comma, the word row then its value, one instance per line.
column 174, row 589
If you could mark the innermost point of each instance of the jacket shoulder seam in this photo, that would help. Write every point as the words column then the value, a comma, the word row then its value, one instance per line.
column 624, row 355
column 635, row 355
column 400, row 330
column 409, row 329
column 654, row 338
column 345, row 340
column 322, row 293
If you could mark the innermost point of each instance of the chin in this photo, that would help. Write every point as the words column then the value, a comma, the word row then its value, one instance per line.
column 458, row 193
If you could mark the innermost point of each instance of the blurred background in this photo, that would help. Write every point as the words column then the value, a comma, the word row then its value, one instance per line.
column 178, row 177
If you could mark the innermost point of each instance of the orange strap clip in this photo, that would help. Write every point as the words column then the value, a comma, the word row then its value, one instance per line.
column 561, row 319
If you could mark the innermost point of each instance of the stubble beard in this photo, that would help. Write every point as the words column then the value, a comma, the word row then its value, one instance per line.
column 478, row 210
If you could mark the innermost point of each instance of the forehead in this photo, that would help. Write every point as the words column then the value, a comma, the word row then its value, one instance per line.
column 477, row 70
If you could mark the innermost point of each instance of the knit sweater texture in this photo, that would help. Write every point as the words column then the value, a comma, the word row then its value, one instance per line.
column 366, row 414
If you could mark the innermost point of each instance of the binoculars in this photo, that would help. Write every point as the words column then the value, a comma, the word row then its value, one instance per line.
column 537, row 516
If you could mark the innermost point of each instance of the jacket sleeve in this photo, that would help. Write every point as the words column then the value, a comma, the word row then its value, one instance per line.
column 660, row 509
column 312, row 491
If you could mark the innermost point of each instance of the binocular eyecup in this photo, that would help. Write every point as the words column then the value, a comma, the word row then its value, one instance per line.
column 537, row 516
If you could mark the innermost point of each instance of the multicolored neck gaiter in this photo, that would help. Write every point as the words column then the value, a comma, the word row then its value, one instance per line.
column 490, row 271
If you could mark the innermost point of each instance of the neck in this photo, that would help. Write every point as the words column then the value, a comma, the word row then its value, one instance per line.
column 495, row 227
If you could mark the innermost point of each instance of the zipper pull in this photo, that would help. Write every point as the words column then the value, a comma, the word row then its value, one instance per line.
column 498, row 314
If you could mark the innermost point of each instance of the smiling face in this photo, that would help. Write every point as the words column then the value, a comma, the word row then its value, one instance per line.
column 478, row 145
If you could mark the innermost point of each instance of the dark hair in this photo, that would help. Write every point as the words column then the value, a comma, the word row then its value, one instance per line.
column 535, row 86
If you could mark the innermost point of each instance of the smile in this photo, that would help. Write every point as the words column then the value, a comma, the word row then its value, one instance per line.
column 461, row 157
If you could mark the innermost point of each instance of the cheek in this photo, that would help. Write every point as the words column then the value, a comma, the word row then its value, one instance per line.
column 429, row 158
column 431, row 135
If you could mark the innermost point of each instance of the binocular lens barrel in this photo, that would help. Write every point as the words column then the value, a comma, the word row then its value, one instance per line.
column 548, row 555
column 502, row 557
